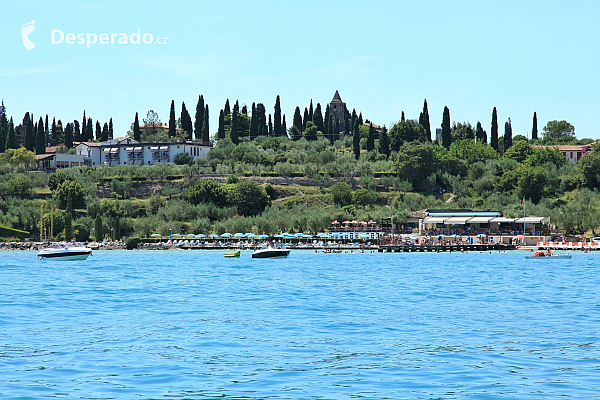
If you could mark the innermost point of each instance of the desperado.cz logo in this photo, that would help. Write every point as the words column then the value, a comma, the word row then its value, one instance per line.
column 57, row 36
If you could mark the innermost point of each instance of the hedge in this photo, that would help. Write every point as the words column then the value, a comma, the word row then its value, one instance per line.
column 9, row 233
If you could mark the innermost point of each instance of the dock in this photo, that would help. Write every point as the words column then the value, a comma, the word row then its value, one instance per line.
column 397, row 248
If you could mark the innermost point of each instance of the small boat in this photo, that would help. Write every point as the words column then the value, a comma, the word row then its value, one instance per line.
column 65, row 251
column 546, row 255
column 271, row 252
column 232, row 253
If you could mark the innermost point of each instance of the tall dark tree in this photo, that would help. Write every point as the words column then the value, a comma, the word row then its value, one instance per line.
column 227, row 109
column 354, row 116
column 234, row 132
column 69, row 215
column 261, row 112
column 507, row 134
column 494, row 132
column 47, row 130
column 90, row 129
column 310, row 111
column 221, row 129
column 110, row 130
column 277, row 131
column 347, row 127
column 534, row 129
column 254, row 123
column 424, row 121
column 305, row 119
column 98, row 131
column 356, row 139
column 104, row 132
column 284, row 126
column 360, row 120
column 384, row 143
column 199, row 118
column 336, row 130
column 371, row 138
column 205, row 127
column 58, row 132
column 270, row 126
column 3, row 127
column 84, row 135
column 245, row 110
column 402, row 119
column 11, row 138
column 28, row 132
column 68, row 135
column 480, row 134
column 53, row 132
column 98, row 229
column 297, row 121
column 327, row 124
column 186, row 121
column 227, row 114
column 136, row 128
column 318, row 118
column 446, row 133
column 172, row 121
column 76, row 132
column 40, row 139
column 236, row 107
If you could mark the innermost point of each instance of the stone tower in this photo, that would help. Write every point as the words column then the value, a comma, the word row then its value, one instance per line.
column 337, row 109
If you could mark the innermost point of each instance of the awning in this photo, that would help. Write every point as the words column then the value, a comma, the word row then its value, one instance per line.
column 154, row 148
column 480, row 220
column 434, row 220
column 129, row 149
column 457, row 220
column 531, row 220
column 164, row 148
column 114, row 150
column 138, row 149
column 106, row 150
column 502, row 220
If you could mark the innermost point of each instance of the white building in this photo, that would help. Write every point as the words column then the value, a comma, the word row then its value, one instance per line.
column 59, row 160
column 126, row 151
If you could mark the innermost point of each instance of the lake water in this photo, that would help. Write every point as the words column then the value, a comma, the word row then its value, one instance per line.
column 196, row 325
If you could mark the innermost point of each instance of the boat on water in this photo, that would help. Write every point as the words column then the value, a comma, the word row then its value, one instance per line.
column 232, row 254
column 549, row 255
column 65, row 251
column 271, row 252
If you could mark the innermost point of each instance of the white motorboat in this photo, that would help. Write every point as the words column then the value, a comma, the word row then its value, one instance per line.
column 271, row 252
column 65, row 251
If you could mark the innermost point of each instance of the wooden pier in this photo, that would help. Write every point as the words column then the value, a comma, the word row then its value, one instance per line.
column 397, row 248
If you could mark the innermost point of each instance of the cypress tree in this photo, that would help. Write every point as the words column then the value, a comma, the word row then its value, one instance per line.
column 494, row 133
column 254, row 123
column 354, row 116
column 245, row 110
column 424, row 121
column 40, row 142
column 270, row 126
column 277, row 118
column 236, row 107
column 227, row 113
column 98, row 131
column 59, row 136
column 186, row 121
column 221, row 129
column 284, row 127
column 117, row 226
column 347, row 127
column 507, row 134
column 261, row 111
column 356, row 139
column 446, row 134
column 402, row 119
column 297, row 121
column 110, row 129
column 90, row 129
column 305, row 120
column 534, row 130
column 76, row 131
column 234, row 133
column 68, row 136
column 327, row 125
column 205, row 127
column 336, row 130
column 68, row 216
column 136, row 128
column 172, row 122
column 3, row 127
column 83, row 127
column 310, row 111
column 384, row 143
column 105, row 132
column 53, row 130
column 47, row 130
column 11, row 138
column 227, row 110
column 360, row 120
column 98, row 232
column 318, row 118
column 371, row 138
column 28, row 132
column 199, row 118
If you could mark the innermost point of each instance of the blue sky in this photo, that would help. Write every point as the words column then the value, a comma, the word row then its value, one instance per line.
column 384, row 57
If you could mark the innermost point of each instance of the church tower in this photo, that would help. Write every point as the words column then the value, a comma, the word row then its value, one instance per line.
column 337, row 109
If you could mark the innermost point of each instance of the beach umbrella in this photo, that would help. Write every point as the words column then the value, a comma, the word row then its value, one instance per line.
column 213, row 235
column 335, row 223
column 190, row 236
column 482, row 235
column 371, row 222
column 239, row 235
column 363, row 222
column 363, row 235
column 200, row 236
column 156, row 235
column 414, row 236
column 346, row 222
column 354, row 222
column 263, row 236
column 226, row 235
column 250, row 235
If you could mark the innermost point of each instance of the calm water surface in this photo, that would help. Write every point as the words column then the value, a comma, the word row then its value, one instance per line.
column 193, row 324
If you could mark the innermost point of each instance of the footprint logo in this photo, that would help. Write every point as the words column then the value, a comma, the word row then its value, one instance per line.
column 26, row 29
